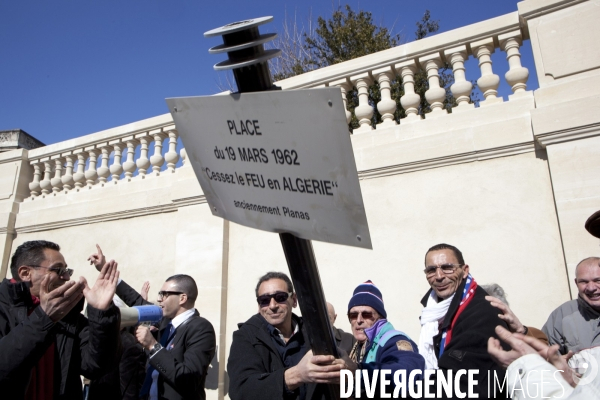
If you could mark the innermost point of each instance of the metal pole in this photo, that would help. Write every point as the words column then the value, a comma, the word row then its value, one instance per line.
column 243, row 45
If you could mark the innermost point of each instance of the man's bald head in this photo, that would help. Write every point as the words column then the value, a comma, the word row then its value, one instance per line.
column 331, row 313
column 590, row 261
column 587, row 279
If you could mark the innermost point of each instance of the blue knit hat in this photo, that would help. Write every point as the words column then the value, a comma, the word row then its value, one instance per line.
column 367, row 294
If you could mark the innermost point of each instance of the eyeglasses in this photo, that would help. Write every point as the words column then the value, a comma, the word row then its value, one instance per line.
column 446, row 269
column 60, row 271
column 163, row 294
column 365, row 315
column 280, row 297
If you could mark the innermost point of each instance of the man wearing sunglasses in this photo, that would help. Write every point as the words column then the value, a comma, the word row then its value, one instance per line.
column 457, row 320
column 378, row 345
column 181, row 352
column 45, row 341
column 270, row 355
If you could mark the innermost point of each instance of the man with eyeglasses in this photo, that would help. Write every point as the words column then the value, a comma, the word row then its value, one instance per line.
column 270, row 355
column 378, row 345
column 181, row 352
column 45, row 341
column 457, row 320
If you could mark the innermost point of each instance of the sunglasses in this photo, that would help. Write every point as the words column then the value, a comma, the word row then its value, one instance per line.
column 365, row 315
column 163, row 294
column 60, row 271
column 280, row 297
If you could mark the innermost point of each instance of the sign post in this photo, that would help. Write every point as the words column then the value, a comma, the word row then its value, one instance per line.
column 259, row 166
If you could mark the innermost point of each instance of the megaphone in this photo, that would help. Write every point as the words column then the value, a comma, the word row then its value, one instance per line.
column 131, row 316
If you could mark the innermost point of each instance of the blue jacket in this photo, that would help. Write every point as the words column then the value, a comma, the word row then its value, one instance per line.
column 392, row 350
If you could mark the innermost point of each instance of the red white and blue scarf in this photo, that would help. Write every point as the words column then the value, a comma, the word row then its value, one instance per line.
column 467, row 296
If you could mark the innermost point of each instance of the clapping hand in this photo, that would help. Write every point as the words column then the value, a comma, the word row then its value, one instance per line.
column 101, row 294
column 58, row 302
column 145, row 290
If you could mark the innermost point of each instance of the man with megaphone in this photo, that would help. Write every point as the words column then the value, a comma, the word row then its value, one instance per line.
column 181, row 352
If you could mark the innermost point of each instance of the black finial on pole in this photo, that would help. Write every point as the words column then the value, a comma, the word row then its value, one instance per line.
column 247, row 56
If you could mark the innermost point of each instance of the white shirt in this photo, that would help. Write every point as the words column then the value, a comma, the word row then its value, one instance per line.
column 178, row 320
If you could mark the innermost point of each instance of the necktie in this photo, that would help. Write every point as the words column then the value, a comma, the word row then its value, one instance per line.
column 164, row 339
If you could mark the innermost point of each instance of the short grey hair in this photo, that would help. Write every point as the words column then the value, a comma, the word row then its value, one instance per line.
column 493, row 289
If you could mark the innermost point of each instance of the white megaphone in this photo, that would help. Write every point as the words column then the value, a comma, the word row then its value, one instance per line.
column 131, row 316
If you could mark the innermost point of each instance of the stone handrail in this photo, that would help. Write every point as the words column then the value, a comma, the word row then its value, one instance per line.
column 454, row 47
column 73, row 164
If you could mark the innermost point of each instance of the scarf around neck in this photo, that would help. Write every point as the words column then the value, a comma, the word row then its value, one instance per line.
column 431, row 317
column 428, row 351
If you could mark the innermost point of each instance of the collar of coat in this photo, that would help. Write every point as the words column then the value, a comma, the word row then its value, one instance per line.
column 18, row 295
column 586, row 308
column 454, row 304
column 261, row 330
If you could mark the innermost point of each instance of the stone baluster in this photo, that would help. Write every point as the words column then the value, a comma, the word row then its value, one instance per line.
column 387, row 106
column 104, row 171
column 116, row 168
column 79, row 176
column 56, row 182
column 346, row 87
column 157, row 160
column 34, row 185
column 411, row 100
column 436, row 94
column 488, row 82
column 171, row 157
column 183, row 154
column 517, row 75
column 129, row 165
column 143, row 162
column 461, row 88
column 364, row 111
column 67, row 178
column 45, row 184
column 91, row 174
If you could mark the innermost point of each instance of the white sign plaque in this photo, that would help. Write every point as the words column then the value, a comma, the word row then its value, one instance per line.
column 280, row 161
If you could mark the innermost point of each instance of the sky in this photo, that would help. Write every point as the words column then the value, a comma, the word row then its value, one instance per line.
column 69, row 68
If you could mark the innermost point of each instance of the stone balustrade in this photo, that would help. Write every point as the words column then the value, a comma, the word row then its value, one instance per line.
column 106, row 158
column 403, row 62
column 142, row 149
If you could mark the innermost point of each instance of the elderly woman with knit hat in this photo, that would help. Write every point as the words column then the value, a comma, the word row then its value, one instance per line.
column 378, row 345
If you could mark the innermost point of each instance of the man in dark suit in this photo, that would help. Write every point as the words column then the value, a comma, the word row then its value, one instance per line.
column 182, row 351
column 343, row 340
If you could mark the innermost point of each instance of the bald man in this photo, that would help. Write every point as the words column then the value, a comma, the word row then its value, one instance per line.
column 343, row 340
column 574, row 325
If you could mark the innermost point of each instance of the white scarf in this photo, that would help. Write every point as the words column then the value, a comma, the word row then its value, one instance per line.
column 431, row 316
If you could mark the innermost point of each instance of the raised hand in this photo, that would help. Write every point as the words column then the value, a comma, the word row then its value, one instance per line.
column 507, row 315
column 145, row 290
column 97, row 259
column 58, row 302
column 505, row 358
column 101, row 294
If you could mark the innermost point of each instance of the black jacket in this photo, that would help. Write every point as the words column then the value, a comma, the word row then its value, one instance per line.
column 468, row 345
column 255, row 368
column 125, row 381
column 83, row 346
column 183, row 367
column 343, row 340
